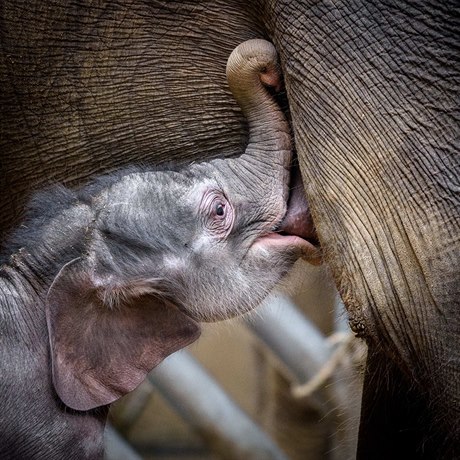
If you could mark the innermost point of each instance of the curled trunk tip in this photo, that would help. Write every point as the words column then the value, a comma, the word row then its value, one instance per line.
column 251, row 65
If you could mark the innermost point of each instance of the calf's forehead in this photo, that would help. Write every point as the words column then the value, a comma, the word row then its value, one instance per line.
column 162, row 204
column 156, row 188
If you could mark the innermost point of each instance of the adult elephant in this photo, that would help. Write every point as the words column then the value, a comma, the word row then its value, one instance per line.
column 373, row 91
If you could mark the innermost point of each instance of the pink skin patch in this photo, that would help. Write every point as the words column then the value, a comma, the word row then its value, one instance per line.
column 302, row 247
column 271, row 77
column 298, row 223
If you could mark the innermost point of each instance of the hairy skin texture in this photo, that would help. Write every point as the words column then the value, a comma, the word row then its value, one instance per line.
column 117, row 276
column 373, row 91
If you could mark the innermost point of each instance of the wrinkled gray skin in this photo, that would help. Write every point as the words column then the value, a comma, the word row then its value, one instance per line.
column 101, row 284
column 373, row 91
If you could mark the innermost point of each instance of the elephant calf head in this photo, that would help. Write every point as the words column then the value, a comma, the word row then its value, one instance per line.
column 119, row 274
column 162, row 250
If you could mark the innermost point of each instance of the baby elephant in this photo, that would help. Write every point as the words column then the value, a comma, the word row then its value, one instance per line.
column 99, row 285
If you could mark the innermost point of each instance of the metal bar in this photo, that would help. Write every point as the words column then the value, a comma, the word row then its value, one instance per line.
column 304, row 353
column 133, row 407
column 226, row 429
column 116, row 448
column 340, row 316
column 296, row 342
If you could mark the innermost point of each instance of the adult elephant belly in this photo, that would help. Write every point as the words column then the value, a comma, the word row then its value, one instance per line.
column 377, row 150
column 85, row 90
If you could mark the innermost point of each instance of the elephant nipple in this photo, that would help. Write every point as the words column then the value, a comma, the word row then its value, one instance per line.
column 298, row 220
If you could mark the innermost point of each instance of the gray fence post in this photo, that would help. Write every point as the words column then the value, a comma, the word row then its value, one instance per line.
column 195, row 395
column 116, row 448
column 302, row 352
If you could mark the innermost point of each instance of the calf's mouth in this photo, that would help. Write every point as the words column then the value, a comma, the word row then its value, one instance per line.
column 298, row 221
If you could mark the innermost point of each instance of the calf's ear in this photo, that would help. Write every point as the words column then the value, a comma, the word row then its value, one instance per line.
column 107, row 334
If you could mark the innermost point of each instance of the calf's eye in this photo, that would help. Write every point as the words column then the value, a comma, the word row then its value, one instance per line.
column 217, row 213
column 219, row 209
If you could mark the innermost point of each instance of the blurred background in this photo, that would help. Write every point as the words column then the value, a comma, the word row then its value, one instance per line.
column 284, row 382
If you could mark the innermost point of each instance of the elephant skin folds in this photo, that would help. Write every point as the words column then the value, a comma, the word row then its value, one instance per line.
column 372, row 89
column 378, row 150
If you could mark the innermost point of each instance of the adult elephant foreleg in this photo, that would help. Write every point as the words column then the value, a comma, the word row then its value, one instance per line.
column 394, row 414
column 372, row 90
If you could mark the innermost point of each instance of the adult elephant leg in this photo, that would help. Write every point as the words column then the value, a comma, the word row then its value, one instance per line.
column 393, row 410
column 372, row 90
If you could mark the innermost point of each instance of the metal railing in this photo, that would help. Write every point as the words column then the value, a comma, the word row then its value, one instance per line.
column 303, row 354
